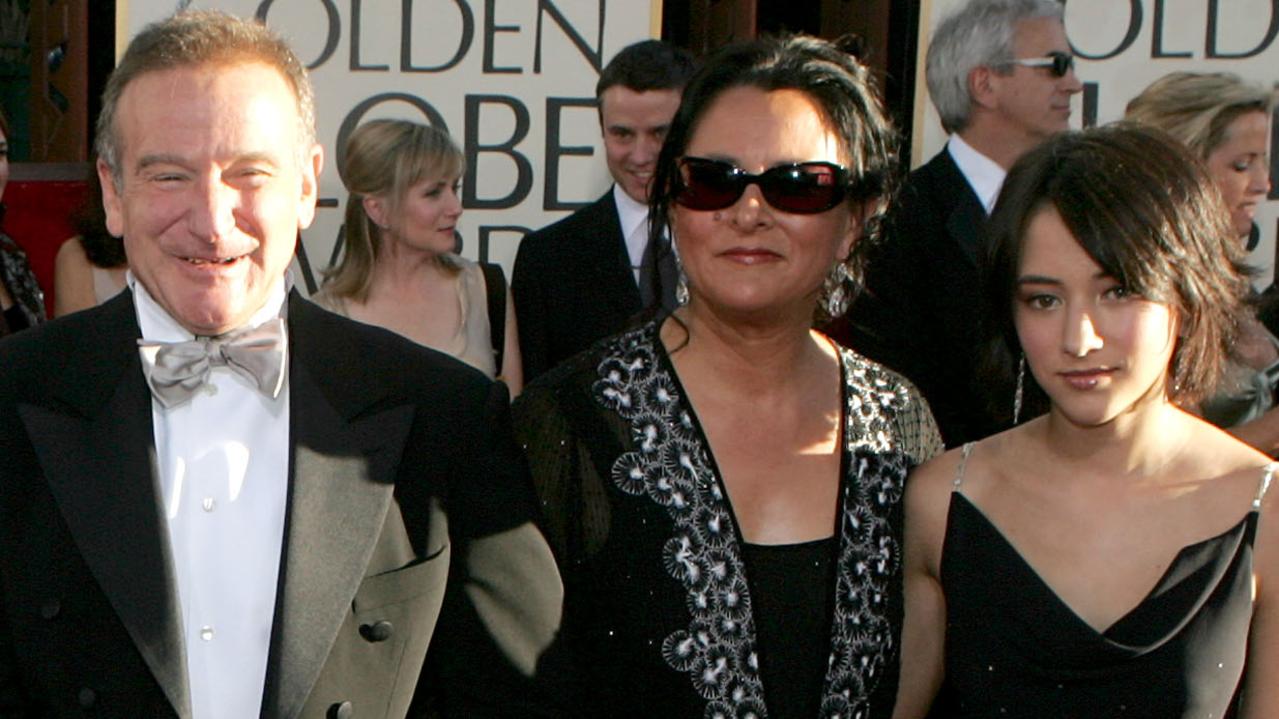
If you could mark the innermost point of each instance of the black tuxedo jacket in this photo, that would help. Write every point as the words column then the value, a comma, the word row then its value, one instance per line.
column 572, row 285
column 921, row 311
column 408, row 528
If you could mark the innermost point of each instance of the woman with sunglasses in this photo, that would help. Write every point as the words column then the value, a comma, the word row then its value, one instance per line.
column 723, row 485
column 1118, row 555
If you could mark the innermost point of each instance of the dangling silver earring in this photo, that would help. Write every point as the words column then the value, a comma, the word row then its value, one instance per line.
column 681, row 279
column 1021, row 386
column 835, row 290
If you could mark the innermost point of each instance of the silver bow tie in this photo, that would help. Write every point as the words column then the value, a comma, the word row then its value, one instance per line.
column 175, row 371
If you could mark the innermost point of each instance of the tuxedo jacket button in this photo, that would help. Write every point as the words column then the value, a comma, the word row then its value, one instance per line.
column 50, row 609
column 87, row 698
column 341, row 711
column 377, row 631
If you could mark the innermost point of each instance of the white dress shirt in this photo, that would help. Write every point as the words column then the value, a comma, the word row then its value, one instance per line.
column 634, row 220
column 223, row 460
column 984, row 175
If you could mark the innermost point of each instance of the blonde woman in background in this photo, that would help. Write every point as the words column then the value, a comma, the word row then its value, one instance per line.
column 399, row 269
column 1226, row 123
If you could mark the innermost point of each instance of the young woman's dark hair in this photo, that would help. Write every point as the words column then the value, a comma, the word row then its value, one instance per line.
column 839, row 84
column 1147, row 212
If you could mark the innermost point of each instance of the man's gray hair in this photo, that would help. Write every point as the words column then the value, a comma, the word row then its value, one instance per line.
column 192, row 38
column 979, row 34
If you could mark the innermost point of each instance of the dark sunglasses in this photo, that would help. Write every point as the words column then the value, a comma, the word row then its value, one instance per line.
column 1058, row 63
column 803, row 188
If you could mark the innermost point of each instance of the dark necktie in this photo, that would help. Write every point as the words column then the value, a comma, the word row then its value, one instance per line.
column 658, row 274
column 178, row 370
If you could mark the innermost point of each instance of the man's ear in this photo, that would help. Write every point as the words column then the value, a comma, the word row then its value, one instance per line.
column 983, row 86
column 312, row 164
column 111, row 201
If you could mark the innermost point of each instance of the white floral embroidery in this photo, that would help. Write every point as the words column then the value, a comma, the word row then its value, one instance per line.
column 671, row 466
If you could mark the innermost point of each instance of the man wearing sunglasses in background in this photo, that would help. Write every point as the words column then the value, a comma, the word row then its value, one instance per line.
column 582, row 278
column 1001, row 76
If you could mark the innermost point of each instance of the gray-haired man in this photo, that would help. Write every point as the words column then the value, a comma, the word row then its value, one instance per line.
column 1001, row 75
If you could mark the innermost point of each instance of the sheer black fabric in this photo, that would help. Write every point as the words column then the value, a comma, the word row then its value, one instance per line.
column 660, row 604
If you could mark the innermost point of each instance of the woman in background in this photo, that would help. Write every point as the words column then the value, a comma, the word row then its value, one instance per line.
column 21, row 300
column 1226, row 123
column 90, row 267
column 399, row 269
column 723, row 485
column 1100, row 560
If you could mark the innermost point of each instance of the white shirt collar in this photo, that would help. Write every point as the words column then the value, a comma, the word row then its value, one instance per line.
column 984, row 175
column 632, row 215
column 158, row 326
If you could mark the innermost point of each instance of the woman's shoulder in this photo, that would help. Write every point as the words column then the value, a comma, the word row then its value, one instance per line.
column 872, row 379
column 991, row 459
column 888, row 404
column 462, row 264
column 626, row 357
column 71, row 252
column 1217, row 452
column 326, row 298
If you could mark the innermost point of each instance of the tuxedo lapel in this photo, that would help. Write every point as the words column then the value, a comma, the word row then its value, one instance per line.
column 966, row 223
column 97, row 449
column 612, row 261
column 341, row 482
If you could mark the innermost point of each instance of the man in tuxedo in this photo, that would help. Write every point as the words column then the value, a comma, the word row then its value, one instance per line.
column 218, row 500
column 1001, row 76
column 583, row 277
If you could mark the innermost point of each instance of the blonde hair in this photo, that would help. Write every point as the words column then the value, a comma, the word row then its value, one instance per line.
column 1196, row 108
column 384, row 158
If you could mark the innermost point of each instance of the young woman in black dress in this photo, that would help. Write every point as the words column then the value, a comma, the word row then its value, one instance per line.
column 1116, row 556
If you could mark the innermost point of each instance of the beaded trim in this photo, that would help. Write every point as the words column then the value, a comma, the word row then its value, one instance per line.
column 671, row 466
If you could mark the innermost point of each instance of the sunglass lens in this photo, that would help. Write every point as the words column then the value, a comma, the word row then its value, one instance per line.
column 707, row 185
column 1062, row 63
column 802, row 189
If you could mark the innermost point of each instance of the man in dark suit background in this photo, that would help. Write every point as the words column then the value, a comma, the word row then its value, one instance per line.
column 1001, row 76
column 218, row 500
column 582, row 278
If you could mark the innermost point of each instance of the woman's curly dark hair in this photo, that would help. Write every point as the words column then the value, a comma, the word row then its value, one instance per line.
column 835, row 80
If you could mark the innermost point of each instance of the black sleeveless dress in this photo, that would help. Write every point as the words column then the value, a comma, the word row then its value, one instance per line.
column 1015, row 649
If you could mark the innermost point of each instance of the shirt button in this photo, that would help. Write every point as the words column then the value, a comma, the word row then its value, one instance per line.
column 50, row 609
column 206, row 633
column 87, row 697
column 210, row 389
column 377, row 631
column 341, row 711
column 207, row 504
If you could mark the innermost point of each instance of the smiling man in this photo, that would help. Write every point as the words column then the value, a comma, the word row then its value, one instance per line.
column 218, row 500
column 1001, row 75
column 583, row 277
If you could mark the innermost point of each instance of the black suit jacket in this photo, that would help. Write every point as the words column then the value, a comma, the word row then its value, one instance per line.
column 572, row 285
column 407, row 504
column 921, row 311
